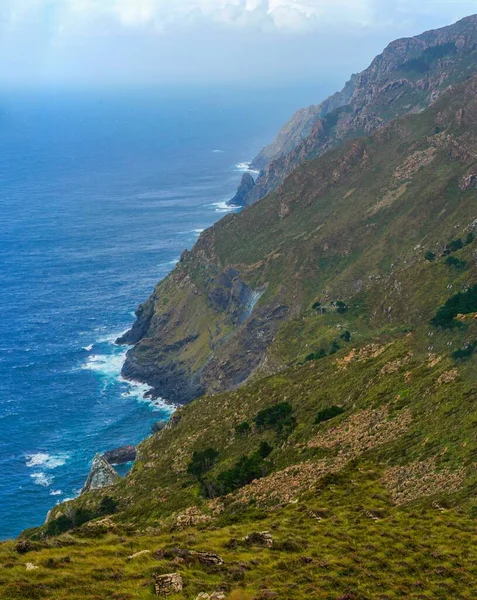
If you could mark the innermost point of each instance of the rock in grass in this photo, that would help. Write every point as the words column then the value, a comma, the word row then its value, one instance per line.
column 259, row 538
column 165, row 585
column 206, row 558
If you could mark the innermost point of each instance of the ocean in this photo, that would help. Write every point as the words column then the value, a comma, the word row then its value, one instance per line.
column 99, row 194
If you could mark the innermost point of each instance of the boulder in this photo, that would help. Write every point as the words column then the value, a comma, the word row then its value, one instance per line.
column 158, row 426
column 102, row 475
column 165, row 585
column 206, row 558
column 25, row 546
column 121, row 456
column 259, row 538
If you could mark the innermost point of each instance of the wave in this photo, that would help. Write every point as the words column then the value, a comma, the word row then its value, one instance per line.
column 218, row 151
column 246, row 167
column 56, row 493
column 48, row 461
column 223, row 207
column 42, row 479
column 88, row 348
column 108, row 366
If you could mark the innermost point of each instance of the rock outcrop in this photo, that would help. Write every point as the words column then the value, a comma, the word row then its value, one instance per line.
column 121, row 456
column 408, row 76
column 212, row 325
column 244, row 192
column 165, row 585
column 102, row 475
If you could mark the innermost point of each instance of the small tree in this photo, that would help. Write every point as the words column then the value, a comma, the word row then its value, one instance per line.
column 243, row 429
column 328, row 413
column 202, row 462
column 470, row 238
column 430, row 256
column 452, row 261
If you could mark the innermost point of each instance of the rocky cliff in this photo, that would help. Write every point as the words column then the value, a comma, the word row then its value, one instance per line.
column 407, row 77
column 347, row 229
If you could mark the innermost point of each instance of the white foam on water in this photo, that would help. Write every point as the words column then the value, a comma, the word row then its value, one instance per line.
column 106, row 365
column 245, row 167
column 112, row 337
column 56, row 493
column 48, row 461
column 42, row 479
column 198, row 231
column 218, row 151
column 88, row 348
column 223, row 207
column 170, row 263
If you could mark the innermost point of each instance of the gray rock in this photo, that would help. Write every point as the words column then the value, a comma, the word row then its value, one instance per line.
column 121, row 456
column 245, row 188
column 102, row 475
column 165, row 585
column 259, row 538
column 158, row 426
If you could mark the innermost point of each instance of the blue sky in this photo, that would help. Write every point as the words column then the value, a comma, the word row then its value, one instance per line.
column 138, row 42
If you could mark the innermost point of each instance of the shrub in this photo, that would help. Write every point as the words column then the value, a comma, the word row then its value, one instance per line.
column 346, row 336
column 470, row 238
column 246, row 469
column 452, row 261
column 316, row 305
column 462, row 303
column 202, row 462
column 342, row 307
column 453, row 247
column 279, row 417
column 328, row 413
column 107, row 506
column 265, row 450
column 316, row 355
column 465, row 352
column 430, row 256
column 243, row 429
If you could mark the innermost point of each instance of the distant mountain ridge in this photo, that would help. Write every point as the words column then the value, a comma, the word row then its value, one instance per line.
column 407, row 77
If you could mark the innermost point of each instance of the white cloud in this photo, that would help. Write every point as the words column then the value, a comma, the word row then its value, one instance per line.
column 280, row 15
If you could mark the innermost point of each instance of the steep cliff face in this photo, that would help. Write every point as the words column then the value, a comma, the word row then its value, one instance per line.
column 407, row 77
column 348, row 228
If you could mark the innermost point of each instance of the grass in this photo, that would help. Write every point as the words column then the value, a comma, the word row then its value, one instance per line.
column 344, row 538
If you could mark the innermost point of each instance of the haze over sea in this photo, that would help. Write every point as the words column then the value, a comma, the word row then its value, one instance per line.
column 99, row 194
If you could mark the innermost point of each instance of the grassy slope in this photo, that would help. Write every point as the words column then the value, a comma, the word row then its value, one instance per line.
column 352, row 225
column 380, row 501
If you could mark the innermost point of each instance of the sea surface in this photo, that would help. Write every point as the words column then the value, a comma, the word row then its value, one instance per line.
column 99, row 194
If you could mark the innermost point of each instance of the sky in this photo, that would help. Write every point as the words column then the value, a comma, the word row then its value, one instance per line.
column 145, row 42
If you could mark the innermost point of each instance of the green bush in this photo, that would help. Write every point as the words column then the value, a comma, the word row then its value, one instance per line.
column 453, row 247
column 316, row 355
column 346, row 336
column 342, row 307
column 452, row 261
column 328, row 413
column 279, row 417
column 202, row 462
column 465, row 352
column 470, row 238
column 462, row 303
column 246, row 469
column 243, row 429
column 107, row 506
column 430, row 256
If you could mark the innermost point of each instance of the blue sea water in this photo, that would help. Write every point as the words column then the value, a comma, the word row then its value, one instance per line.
column 99, row 194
